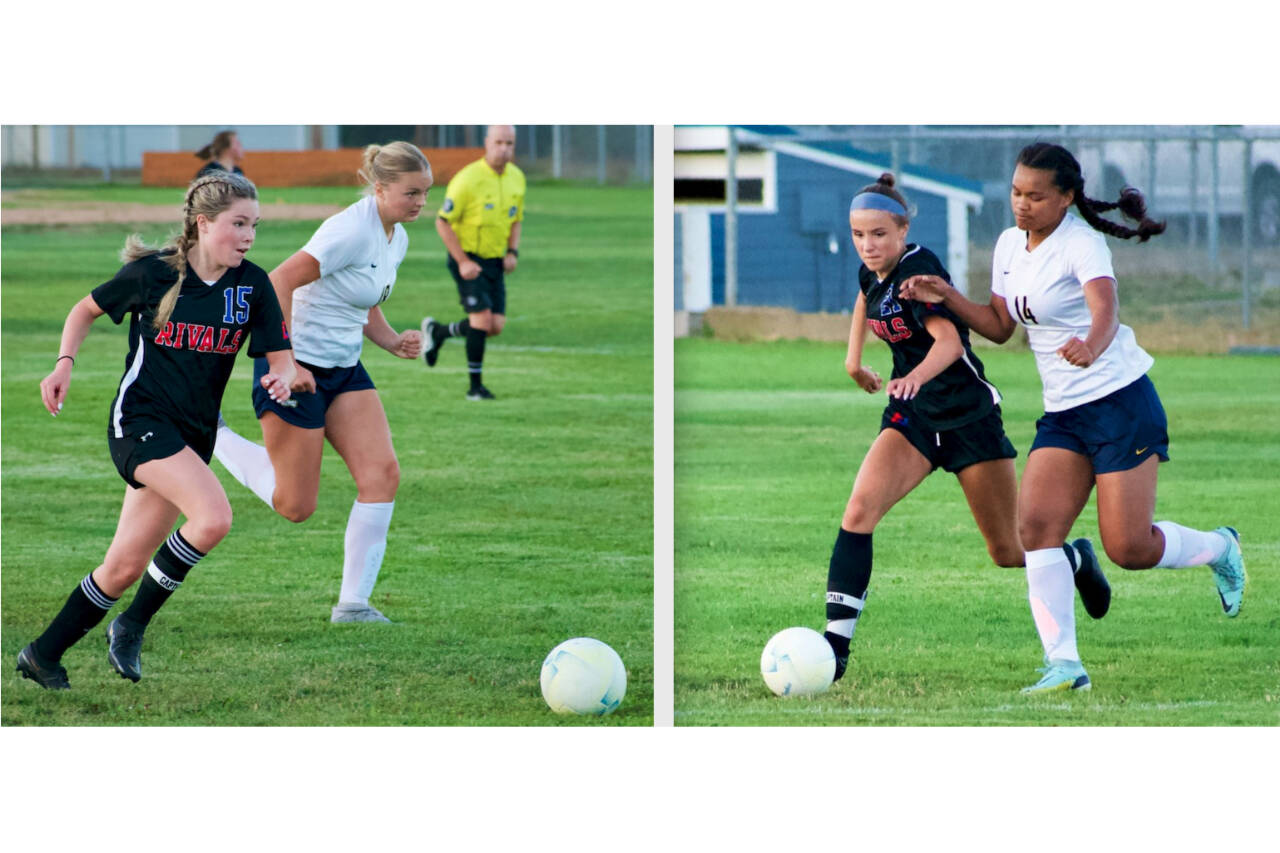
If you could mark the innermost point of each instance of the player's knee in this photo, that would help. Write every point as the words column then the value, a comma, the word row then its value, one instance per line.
column 121, row 572
column 209, row 528
column 296, row 510
column 860, row 514
column 1035, row 533
column 1006, row 556
column 380, row 483
column 1130, row 554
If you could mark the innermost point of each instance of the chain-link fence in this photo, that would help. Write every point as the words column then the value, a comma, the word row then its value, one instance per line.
column 1217, row 187
column 32, row 154
column 1210, row 282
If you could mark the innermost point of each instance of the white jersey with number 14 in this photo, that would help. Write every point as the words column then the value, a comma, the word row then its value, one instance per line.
column 1044, row 291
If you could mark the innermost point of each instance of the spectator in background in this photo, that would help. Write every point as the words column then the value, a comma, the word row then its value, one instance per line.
column 224, row 154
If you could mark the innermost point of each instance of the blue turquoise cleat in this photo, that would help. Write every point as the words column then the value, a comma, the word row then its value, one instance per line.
column 1060, row 675
column 1228, row 572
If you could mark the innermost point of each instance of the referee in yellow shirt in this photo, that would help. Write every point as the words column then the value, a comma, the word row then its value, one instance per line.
column 480, row 226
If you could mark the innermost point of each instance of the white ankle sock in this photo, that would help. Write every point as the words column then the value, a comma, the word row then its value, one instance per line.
column 365, row 543
column 1052, row 594
column 248, row 462
column 1184, row 547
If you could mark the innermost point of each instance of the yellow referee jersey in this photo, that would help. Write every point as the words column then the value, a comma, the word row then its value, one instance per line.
column 481, row 206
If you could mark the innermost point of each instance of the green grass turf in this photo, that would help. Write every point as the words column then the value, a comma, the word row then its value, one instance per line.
column 518, row 523
column 768, row 437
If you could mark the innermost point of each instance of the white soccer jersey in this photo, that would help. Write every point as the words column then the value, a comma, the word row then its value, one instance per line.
column 357, row 271
column 1044, row 291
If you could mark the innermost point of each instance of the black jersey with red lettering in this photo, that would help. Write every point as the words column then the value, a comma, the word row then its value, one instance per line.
column 178, row 374
column 960, row 394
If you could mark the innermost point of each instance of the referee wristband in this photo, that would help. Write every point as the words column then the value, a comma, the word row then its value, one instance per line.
column 61, row 357
column 513, row 252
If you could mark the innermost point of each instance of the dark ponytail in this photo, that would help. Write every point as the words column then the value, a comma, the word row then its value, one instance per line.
column 1067, row 178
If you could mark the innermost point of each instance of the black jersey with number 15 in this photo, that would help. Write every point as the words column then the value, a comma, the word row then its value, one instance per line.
column 177, row 374
column 960, row 394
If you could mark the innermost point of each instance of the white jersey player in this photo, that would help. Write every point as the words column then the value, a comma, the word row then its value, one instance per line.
column 332, row 289
column 1103, row 424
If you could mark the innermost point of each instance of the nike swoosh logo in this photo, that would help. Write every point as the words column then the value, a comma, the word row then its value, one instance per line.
column 1139, row 451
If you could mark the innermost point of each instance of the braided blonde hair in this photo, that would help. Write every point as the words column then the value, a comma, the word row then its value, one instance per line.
column 209, row 196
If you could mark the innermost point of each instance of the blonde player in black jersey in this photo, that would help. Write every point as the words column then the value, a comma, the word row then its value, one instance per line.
column 192, row 305
column 942, row 412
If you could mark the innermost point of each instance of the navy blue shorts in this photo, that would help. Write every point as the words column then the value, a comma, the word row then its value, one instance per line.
column 1116, row 433
column 952, row 450
column 147, row 440
column 487, row 291
column 305, row 408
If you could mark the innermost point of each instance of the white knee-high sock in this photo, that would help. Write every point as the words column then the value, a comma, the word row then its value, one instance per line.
column 248, row 462
column 1184, row 547
column 366, row 542
column 1052, row 594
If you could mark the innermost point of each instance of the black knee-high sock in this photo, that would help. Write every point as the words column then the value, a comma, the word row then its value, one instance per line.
column 457, row 329
column 475, row 354
column 84, row 608
column 847, row 579
column 168, row 568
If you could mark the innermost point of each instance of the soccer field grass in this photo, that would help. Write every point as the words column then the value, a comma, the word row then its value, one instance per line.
column 768, row 437
column 518, row 524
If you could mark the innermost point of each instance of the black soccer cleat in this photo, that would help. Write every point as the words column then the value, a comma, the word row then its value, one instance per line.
column 124, row 649
column 1095, row 592
column 840, row 646
column 51, row 676
column 431, row 342
column 480, row 393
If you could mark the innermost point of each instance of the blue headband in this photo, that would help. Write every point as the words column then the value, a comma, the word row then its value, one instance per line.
column 877, row 201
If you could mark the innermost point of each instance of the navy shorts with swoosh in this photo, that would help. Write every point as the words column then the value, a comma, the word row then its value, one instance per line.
column 1117, row 432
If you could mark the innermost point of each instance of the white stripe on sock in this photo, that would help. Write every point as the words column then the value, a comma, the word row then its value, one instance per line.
column 91, row 592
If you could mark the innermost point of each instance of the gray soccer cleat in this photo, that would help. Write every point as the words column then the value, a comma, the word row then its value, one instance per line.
column 347, row 612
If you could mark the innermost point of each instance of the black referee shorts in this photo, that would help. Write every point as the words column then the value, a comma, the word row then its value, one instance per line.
column 487, row 291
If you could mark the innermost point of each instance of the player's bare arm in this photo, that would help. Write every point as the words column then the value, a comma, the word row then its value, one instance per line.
column 467, row 268
column 992, row 321
column 406, row 344
column 1100, row 296
column 298, row 270
column 53, row 388
column 280, row 376
column 944, row 352
column 868, row 380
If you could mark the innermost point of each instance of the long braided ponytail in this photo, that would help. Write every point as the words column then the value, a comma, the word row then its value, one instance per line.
column 1067, row 177
column 209, row 196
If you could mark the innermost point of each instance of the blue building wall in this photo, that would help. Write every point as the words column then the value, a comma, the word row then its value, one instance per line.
column 678, row 245
column 783, row 258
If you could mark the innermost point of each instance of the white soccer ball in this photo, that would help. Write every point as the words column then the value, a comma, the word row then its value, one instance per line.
column 583, row 676
column 798, row 662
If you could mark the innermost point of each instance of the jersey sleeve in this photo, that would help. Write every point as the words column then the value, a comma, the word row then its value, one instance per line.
column 455, row 198
column 335, row 245
column 267, row 332
column 926, row 263
column 122, row 294
column 1090, row 257
column 999, row 262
